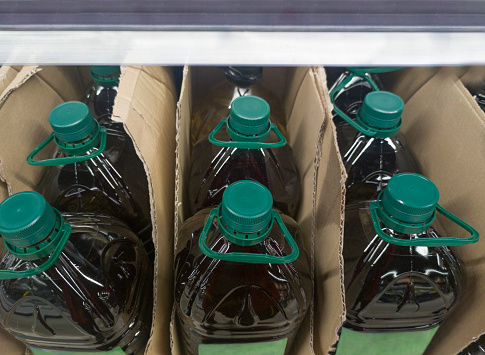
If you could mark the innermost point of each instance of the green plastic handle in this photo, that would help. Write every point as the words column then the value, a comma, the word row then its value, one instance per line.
column 65, row 231
column 99, row 138
column 358, row 124
column 425, row 242
column 246, row 142
column 249, row 257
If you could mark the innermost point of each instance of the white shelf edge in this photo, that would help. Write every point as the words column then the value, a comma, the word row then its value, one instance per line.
column 243, row 48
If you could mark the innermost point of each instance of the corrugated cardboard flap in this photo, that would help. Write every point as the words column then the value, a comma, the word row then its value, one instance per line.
column 146, row 105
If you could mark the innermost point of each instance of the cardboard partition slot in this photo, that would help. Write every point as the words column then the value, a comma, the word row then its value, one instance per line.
column 146, row 105
column 301, row 92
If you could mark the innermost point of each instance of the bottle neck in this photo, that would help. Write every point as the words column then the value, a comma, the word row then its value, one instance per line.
column 44, row 247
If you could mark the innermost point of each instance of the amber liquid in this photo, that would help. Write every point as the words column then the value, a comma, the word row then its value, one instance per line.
column 392, row 288
column 96, row 297
column 221, row 302
column 209, row 110
column 213, row 168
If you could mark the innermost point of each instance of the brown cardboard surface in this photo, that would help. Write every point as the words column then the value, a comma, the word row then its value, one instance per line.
column 7, row 74
column 301, row 91
column 328, row 206
column 3, row 190
column 405, row 85
column 473, row 77
column 445, row 130
column 146, row 105
column 10, row 345
column 25, row 106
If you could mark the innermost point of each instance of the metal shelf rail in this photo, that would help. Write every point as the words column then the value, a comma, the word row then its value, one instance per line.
column 278, row 32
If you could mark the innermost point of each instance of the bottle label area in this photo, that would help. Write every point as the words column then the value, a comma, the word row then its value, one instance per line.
column 116, row 351
column 352, row 342
column 265, row 348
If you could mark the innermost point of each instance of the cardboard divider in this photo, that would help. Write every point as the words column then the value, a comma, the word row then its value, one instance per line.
column 7, row 75
column 329, row 205
column 302, row 92
column 146, row 106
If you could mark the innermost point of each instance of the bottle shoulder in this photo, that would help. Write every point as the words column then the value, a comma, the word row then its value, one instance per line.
column 371, row 162
column 213, row 292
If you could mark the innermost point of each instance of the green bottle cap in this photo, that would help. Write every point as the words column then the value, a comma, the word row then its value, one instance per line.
column 249, row 115
column 26, row 219
column 410, row 198
column 106, row 75
column 72, row 121
column 246, row 207
column 381, row 110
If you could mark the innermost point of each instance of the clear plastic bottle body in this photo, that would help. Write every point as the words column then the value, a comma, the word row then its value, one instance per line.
column 221, row 302
column 349, row 100
column 96, row 297
column 209, row 110
column 101, row 100
column 392, row 288
column 371, row 162
column 213, row 168
column 122, row 155
column 99, row 186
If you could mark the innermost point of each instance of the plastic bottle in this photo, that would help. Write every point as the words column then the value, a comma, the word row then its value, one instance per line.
column 210, row 109
column 72, row 282
column 377, row 152
column 350, row 86
column 242, row 276
column 82, row 176
column 102, row 93
column 401, row 277
column 251, row 148
column 100, row 100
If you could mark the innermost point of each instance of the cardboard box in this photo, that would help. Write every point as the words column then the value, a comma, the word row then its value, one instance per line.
column 443, row 127
column 146, row 105
column 312, row 138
